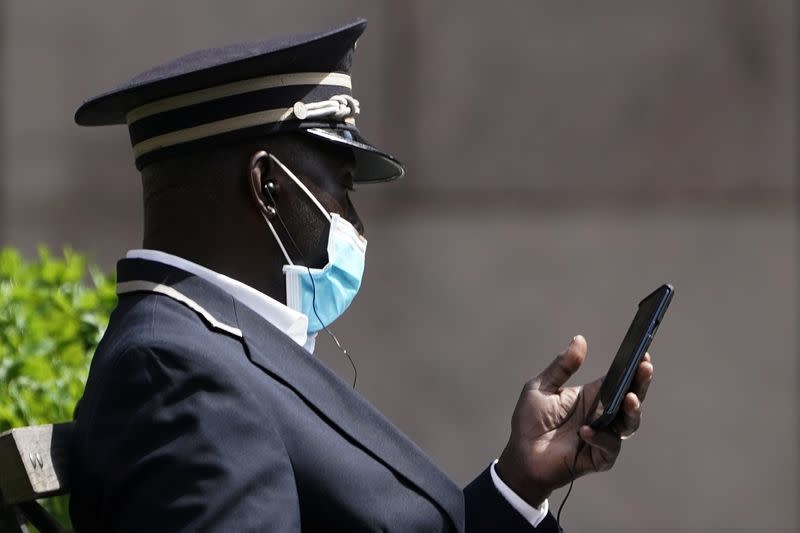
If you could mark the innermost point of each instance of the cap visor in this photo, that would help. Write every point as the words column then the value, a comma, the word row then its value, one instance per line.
column 372, row 165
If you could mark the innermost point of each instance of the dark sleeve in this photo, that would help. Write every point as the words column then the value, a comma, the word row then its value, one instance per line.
column 178, row 446
column 487, row 510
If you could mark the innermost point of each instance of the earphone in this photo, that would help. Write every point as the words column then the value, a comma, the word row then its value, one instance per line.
column 270, row 189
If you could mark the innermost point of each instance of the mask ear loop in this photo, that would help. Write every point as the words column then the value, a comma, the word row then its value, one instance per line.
column 302, row 187
column 275, row 234
column 263, row 207
column 300, row 254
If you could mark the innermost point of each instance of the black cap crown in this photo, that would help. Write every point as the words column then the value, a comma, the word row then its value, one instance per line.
column 247, row 90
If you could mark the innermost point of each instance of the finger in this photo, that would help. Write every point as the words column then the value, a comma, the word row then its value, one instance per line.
column 606, row 443
column 643, row 378
column 563, row 366
column 604, row 440
column 627, row 424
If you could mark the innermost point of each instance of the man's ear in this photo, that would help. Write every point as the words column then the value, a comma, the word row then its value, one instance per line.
column 263, row 187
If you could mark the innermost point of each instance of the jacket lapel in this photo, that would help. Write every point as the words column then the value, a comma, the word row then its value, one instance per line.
column 347, row 410
column 278, row 355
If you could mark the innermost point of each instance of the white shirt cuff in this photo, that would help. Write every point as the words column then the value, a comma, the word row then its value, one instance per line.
column 534, row 515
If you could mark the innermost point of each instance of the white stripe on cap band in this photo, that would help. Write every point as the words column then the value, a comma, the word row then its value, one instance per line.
column 238, row 87
column 210, row 129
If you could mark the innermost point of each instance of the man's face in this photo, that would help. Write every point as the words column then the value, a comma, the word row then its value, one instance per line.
column 327, row 171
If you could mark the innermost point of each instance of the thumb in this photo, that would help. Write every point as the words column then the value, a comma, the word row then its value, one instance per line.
column 563, row 366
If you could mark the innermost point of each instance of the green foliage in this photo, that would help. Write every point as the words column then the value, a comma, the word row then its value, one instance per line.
column 52, row 315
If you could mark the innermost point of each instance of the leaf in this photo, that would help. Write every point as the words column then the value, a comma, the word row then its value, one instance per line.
column 53, row 312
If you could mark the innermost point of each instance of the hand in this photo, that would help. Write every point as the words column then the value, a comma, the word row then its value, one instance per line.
column 548, row 424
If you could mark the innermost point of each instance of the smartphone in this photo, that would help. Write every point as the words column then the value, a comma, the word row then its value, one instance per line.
column 637, row 340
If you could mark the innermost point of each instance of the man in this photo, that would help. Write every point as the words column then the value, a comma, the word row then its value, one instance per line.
column 205, row 409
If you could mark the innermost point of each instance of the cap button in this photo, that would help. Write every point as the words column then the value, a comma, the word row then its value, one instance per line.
column 300, row 110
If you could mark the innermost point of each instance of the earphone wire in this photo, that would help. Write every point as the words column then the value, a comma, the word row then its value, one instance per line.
column 314, row 291
column 581, row 444
column 328, row 331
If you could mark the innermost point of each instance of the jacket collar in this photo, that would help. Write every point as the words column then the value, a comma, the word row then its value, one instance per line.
column 276, row 354
column 286, row 319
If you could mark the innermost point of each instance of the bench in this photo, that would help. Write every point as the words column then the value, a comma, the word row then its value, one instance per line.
column 33, row 465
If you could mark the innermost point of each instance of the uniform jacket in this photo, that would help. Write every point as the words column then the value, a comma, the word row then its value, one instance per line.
column 199, row 415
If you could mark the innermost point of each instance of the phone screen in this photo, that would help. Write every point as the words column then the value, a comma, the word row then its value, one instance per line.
column 619, row 376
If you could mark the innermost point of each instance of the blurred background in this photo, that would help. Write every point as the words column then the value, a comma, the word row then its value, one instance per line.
column 563, row 159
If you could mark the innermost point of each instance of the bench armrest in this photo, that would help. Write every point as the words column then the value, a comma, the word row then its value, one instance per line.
column 33, row 462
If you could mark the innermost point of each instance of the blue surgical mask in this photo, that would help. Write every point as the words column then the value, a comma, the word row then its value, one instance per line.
column 324, row 294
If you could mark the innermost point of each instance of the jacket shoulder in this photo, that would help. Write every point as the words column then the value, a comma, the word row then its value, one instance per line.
column 146, row 322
